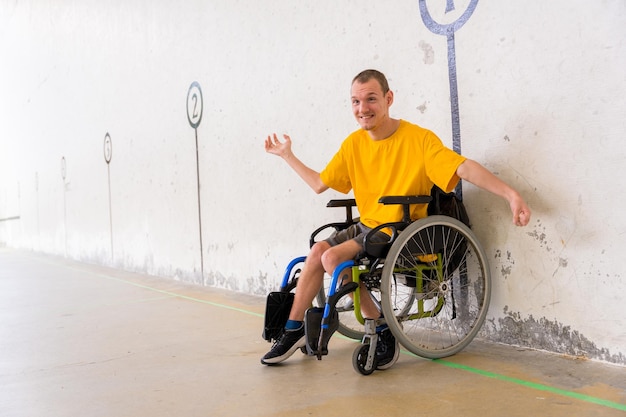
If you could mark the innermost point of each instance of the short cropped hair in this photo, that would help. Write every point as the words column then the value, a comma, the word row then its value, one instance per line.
column 365, row 76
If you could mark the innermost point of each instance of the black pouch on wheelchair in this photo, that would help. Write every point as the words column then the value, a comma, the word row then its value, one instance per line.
column 313, row 327
column 277, row 311
column 448, row 204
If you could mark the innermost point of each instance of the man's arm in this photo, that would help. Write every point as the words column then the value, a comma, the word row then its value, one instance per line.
column 283, row 149
column 478, row 175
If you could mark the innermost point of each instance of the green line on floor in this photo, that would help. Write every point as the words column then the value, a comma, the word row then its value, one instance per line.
column 176, row 295
column 532, row 385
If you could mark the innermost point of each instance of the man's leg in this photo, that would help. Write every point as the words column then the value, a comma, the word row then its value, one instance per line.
column 322, row 256
column 309, row 283
column 344, row 252
column 387, row 348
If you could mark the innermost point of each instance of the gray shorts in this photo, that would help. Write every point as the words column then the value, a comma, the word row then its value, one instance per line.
column 356, row 232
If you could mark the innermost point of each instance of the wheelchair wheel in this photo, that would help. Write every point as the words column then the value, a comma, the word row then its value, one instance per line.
column 359, row 360
column 349, row 325
column 435, row 287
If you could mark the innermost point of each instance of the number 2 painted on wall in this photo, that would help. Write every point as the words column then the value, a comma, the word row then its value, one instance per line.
column 194, row 105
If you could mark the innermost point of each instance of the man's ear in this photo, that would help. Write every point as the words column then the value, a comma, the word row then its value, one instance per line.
column 389, row 97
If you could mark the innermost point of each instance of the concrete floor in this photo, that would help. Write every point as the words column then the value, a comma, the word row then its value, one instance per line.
column 82, row 340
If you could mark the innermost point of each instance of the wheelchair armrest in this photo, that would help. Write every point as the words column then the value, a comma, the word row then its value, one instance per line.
column 406, row 201
column 348, row 203
column 336, row 226
column 380, row 249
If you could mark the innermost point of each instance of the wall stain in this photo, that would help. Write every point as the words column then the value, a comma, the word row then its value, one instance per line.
column 539, row 234
column 562, row 264
column 219, row 280
column 547, row 335
column 429, row 53
column 258, row 285
column 506, row 266
column 254, row 285
column 505, row 271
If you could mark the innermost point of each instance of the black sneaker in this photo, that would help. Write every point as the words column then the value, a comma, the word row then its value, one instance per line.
column 285, row 346
column 387, row 349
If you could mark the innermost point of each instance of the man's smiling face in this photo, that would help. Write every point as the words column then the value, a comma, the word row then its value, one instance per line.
column 370, row 105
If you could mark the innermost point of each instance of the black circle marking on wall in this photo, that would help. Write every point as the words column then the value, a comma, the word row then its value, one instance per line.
column 448, row 30
column 194, row 116
column 108, row 154
column 63, row 169
column 108, row 148
column 194, row 105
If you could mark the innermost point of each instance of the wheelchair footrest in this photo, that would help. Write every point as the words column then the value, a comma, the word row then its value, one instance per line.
column 317, row 337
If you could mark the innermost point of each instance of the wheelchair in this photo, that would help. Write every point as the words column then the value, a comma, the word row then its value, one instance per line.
column 431, row 282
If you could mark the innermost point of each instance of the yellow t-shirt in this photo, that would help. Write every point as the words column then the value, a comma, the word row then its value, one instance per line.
column 408, row 162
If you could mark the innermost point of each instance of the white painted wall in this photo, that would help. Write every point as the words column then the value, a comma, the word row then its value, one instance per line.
column 542, row 94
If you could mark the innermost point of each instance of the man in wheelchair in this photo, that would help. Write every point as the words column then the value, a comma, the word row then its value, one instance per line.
column 386, row 157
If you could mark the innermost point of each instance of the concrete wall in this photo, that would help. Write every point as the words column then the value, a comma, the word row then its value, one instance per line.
column 541, row 102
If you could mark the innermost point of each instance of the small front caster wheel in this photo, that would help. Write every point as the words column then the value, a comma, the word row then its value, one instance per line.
column 359, row 360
